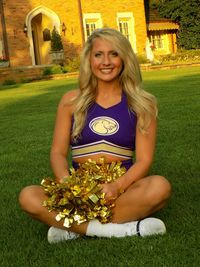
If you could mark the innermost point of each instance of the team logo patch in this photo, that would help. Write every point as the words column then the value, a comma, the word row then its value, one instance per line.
column 104, row 125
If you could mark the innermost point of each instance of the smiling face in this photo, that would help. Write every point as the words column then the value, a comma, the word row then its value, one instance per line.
column 105, row 62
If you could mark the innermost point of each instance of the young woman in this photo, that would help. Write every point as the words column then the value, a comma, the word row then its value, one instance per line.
column 110, row 115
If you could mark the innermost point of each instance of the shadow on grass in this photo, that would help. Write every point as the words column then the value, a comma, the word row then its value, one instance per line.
column 9, row 87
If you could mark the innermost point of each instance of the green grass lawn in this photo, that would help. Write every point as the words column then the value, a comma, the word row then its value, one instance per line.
column 26, row 128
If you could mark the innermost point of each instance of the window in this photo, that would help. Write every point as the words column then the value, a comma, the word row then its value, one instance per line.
column 90, row 27
column 157, row 41
column 123, row 28
column 125, row 22
column 91, row 22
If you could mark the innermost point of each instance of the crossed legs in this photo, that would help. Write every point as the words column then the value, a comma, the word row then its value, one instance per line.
column 143, row 198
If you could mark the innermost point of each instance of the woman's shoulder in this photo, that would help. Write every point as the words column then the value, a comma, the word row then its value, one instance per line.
column 67, row 102
column 69, row 97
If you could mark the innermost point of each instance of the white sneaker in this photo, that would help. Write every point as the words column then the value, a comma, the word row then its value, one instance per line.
column 56, row 235
column 150, row 226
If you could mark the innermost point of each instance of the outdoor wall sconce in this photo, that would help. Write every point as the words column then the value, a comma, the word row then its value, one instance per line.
column 25, row 29
column 64, row 28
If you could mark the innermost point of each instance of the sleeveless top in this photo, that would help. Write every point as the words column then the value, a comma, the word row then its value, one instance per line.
column 107, row 130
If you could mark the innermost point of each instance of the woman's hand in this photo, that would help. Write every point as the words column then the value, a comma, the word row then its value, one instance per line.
column 62, row 180
column 111, row 191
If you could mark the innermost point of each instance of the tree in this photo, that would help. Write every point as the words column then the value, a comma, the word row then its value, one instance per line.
column 187, row 14
column 56, row 41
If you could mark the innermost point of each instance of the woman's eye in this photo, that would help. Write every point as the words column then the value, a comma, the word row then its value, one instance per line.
column 97, row 55
column 114, row 54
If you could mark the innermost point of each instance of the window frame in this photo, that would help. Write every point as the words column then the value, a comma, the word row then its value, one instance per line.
column 89, row 19
column 127, row 17
column 157, row 41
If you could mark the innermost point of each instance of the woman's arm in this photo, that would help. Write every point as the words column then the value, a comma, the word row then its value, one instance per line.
column 145, row 146
column 61, row 137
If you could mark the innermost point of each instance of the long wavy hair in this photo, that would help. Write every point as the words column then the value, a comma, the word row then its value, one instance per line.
column 130, row 79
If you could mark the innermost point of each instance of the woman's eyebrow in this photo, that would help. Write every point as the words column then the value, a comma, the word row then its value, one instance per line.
column 100, row 51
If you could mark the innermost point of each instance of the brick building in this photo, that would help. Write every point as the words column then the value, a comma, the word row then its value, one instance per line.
column 26, row 25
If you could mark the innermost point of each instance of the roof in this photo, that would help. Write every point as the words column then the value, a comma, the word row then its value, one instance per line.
column 162, row 25
column 155, row 22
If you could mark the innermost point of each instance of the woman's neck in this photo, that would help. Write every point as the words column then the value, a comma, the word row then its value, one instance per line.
column 108, row 95
column 108, row 89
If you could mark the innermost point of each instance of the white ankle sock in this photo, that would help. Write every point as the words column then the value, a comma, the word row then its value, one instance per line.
column 95, row 228
column 145, row 227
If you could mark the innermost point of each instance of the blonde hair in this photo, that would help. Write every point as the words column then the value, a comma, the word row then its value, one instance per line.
column 130, row 79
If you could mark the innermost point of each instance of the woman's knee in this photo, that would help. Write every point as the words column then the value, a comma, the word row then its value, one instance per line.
column 30, row 199
column 161, row 188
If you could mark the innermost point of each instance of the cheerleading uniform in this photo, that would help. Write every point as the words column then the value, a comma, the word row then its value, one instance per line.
column 107, row 130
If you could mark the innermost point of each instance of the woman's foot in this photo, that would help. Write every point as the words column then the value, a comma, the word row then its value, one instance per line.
column 150, row 226
column 56, row 235
column 145, row 227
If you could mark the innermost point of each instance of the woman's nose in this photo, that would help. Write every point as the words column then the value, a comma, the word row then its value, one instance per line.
column 106, row 60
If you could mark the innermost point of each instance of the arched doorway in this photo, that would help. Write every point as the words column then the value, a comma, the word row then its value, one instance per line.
column 40, row 22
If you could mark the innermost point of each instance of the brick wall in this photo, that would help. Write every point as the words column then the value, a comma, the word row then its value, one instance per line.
column 16, row 12
column 20, row 74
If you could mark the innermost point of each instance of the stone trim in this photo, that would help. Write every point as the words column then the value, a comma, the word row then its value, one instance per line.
column 49, row 13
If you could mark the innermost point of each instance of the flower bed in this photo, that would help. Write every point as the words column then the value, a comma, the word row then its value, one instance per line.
column 4, row 62
column 183, row 56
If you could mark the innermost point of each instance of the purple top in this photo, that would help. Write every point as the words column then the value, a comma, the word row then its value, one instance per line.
column 109, row 130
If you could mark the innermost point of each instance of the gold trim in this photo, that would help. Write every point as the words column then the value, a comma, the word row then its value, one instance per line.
column 100, row 147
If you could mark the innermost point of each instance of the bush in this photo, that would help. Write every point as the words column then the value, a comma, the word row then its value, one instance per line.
column 9, row 82
column 72, row 65
column 26, row 80
column 56, row 41
column 182, row 56
column 56, row 69
column 47, row 71
column 142, row 59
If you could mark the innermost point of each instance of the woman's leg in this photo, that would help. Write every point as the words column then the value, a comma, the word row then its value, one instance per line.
column 31, row 199
column 140, row 200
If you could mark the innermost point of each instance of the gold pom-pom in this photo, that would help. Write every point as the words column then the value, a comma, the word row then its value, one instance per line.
column 79, row 198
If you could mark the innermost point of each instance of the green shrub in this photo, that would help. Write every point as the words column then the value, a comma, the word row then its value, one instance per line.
column 65, row 69
column 26, row 80
column 56, row 41
column 142, row 59
column 9, row 82
column 47, row 71
column 56, row 69
column 182, row 56
column 72, row 65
